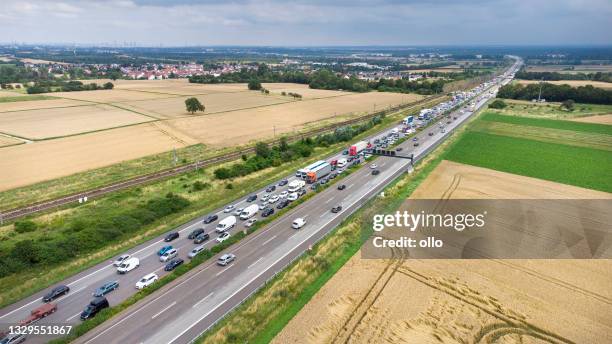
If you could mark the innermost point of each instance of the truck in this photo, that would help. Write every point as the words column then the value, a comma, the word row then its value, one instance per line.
column 39, row 313
column 319, row 172
column 302, row 173
column 357, row 148
column 409, row 120
column 249, row 211
column 296, row 185
column 226, row 224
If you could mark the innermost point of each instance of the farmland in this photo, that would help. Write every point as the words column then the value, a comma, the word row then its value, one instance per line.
column 433, row 301
column 552, row 110
column 73, row 132
column 573, row 83
column 570, row 69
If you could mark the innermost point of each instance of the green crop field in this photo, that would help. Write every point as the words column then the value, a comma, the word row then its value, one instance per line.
column 580, row 166
column 548, row 123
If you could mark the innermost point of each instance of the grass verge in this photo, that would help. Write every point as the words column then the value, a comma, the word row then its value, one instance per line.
column 548, row 123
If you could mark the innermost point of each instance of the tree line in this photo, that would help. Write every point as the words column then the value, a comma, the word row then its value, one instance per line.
column 67, row 86
column 555, row 76
column 557, row 93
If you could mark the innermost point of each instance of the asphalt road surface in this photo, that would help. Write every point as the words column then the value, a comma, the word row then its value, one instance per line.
column 187, row 307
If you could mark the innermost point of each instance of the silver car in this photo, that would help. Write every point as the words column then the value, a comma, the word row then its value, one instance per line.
column 226, row 259
column 195, row 251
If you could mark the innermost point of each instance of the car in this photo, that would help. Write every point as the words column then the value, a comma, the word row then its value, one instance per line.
column 399, row 149
column 173, row 264
column 301, row 192
column 106, row 288
column 211, row 218
column 336, row 209
column 265, row 197
column 168, row 255
column 226, row 259
column 146, row 281
column 250, row 222
column 224, row 236
column 341, row 187
column 283, row 182
column 94, row 307
column 13, row 338
column 333, row 175
column 267, row 212
column 271, row 188
column 120, row 259
column 128, row 265
column 238, row 211
column 282, row 204
column 292, row 196
column 373, row 166
column 194, row 252
column 416, row 144
column 171, row 236
column 298, row 223
column 229, row 208
column 375, row 172
column 56, row 292
column 201, row 238
column 263, row 204
column 251, row 198
column 349, row 159
column 195, row 233
column 274, row 199
column 283, row 194
column 323, row 181
column 431, row 133
column 164, row 250
column 443, row 130
column 314, row 187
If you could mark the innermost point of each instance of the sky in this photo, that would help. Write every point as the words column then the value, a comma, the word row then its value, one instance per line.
column 307, row 23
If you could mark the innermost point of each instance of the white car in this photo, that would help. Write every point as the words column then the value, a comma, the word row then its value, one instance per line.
column 298, row 223
column 373, row 166
column 224, row 236
column 250, row 222
column 238, row 211
column 265, row 197
column 274, row 199
column 283, row 194
column 292, row 196
column 146, row 281
column 168, row 255
column 120, row 259
column 229, row 208
column 263, row 204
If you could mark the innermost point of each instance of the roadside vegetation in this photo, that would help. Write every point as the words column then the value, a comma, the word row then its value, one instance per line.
column 556, row 93
column 125, row 219
column 551, row 110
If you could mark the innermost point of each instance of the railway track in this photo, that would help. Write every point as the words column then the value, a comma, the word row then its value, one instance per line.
column 16, row 213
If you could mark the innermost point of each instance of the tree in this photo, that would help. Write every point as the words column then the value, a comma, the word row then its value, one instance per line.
column 568, row 104
column 262, row 150
column 193, row 105
column 254, row 85
column 497, row 104
column 108, row 86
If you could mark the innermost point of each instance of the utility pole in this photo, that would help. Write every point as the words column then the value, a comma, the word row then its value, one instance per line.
column 274, row 128
column 540, row 93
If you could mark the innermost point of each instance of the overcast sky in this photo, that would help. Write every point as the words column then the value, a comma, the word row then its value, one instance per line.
column 307, row 23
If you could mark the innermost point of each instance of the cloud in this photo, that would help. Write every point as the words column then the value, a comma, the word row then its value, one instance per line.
column 302, row 22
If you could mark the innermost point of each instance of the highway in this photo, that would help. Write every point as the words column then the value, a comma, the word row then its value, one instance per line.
column 182, row 310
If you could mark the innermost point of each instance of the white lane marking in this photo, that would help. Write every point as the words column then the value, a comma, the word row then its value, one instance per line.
column 163, row 310
column 204, row 299
column 72, row 317
column 323, row 214
column 267, row 241
column 224, row 270
column 255, row 262
column 350, row 186
column 161, row 268
column 329, row 200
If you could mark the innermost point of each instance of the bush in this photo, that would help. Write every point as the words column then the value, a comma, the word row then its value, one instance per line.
column 254, row 85
column 25, row 226
column 498, row 104
column 229, row 186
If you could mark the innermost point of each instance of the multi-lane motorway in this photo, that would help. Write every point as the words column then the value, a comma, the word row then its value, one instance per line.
column 184, row 309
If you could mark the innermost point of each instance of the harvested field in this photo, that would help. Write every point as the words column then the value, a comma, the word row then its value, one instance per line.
column 304, row 90
column 601, row 119
column 552, row 110
column 109, row 96
column 573, row 83
column 8, row 141
column 39, row 104
column 244, row 126
column 214, row 103
column 464, row 301
column 5, row 93
column 63, row 121
column 29, row 163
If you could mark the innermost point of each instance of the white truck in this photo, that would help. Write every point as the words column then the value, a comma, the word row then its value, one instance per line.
column 319, row 172
column 296, row 185
column 128, row 265
column 249, row 211
column 227, row 223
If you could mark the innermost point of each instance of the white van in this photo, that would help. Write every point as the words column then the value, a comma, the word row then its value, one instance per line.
column 249, row 211
column 128, row 265
column 226, row 224
column 298, row 223
column 296, row 185
column 342, row 162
